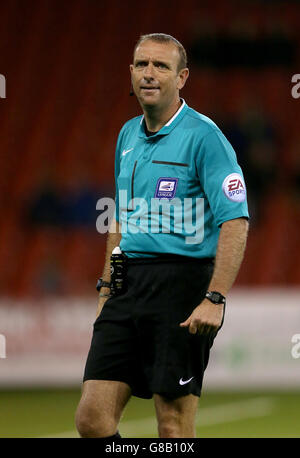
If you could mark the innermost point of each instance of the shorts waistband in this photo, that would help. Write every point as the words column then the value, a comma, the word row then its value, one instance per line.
column 169, row 258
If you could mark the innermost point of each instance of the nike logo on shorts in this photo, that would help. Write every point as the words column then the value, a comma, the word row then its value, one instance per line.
column 184, row 382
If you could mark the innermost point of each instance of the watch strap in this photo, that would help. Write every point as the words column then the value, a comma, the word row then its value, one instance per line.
column 101, row 283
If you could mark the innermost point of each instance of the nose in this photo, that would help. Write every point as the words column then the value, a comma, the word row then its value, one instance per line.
column 148, row 71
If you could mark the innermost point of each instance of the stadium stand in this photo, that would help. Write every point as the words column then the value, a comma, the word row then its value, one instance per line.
column 67, row 97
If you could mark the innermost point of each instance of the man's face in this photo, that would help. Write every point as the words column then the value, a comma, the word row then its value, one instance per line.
column 154, row 74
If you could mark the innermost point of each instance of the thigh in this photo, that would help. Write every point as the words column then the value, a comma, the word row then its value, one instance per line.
column 103, row 401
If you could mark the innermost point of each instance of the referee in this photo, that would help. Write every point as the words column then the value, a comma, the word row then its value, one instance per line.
column 181, row 219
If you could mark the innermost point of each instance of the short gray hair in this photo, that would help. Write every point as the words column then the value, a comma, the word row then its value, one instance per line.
column 164, row 38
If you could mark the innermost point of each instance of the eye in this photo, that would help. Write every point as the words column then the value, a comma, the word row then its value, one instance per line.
column 162, row 65
column 140, row 64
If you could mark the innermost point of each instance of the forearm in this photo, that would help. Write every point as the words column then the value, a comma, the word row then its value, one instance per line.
column 229, row 256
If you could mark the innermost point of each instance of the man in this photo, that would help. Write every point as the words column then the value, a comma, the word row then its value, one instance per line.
column 154, row 339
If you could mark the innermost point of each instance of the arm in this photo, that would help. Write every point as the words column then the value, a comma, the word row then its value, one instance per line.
column 231, row 247
column 113, row 240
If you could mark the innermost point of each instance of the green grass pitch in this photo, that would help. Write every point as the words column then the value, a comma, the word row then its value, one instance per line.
column 50, row 413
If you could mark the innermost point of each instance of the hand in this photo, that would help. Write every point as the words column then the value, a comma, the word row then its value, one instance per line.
column 205, row 318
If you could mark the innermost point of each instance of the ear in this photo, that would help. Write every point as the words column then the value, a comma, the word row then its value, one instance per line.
column 131, row 68
column 182, row 77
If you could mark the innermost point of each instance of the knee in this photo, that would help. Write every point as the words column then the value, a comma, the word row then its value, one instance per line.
column 170, row 426
column 84, row 425
column 175, row 426
column 169, row 429
column 90, row 423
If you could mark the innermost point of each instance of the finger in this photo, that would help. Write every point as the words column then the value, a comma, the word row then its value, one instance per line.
column 206, row 329
column 211, row 329
column 203, row 328
column 185, row 323
column 193, row 329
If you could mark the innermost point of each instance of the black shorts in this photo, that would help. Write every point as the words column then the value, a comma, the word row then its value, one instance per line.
column 137, row 338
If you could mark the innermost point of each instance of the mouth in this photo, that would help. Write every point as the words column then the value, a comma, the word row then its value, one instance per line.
column 149, row 89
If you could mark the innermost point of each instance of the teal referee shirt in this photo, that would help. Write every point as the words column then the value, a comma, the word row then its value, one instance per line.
column 174, row 189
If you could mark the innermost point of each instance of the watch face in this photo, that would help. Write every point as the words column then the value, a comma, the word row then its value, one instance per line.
column 215, row 297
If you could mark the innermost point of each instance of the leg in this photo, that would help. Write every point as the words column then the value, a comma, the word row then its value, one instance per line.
column 176, row 418
column 100, row 407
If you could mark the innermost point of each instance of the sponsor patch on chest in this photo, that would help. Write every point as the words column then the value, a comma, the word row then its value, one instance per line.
column 165, row 188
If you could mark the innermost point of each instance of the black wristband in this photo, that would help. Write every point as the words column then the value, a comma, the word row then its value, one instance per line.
column 101, row 283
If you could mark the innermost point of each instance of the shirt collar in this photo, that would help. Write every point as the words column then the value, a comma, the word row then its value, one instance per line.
column 166, row 129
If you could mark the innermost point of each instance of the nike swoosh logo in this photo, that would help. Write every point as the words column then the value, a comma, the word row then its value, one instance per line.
column 184, row 382
column 126, row 151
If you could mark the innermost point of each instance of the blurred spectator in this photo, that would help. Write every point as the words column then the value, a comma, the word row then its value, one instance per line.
column 80, row 198
column 70, row 205
column 45, row 207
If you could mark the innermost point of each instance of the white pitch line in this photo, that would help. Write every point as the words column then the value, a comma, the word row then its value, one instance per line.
column 228, row 412
column 231, row 411
column 235, row 411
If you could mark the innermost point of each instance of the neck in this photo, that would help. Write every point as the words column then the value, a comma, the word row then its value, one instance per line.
column 156, row 117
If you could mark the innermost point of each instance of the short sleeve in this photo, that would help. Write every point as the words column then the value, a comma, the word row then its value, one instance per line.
column 221, row 178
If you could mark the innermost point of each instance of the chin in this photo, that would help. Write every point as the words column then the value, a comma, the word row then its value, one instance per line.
column 148, row 101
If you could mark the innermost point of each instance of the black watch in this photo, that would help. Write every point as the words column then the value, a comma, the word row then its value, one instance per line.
column 215, row 297
column 101, row 283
